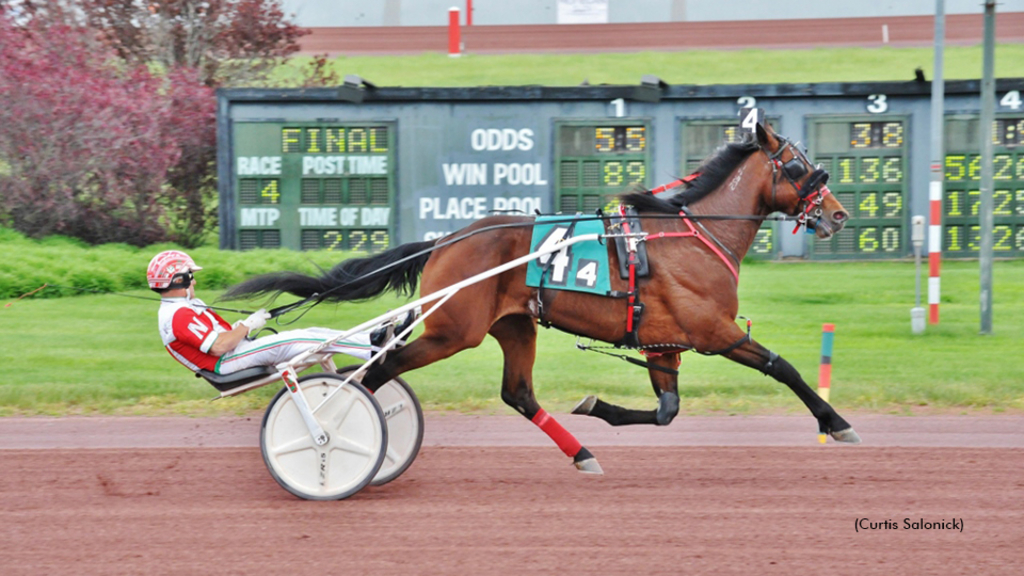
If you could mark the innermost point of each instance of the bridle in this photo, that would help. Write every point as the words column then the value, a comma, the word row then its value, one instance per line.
column 811, row 193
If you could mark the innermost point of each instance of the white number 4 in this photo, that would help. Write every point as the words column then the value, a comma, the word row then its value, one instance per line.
column 587, row 273
column 561, row 258
column 1012, row 100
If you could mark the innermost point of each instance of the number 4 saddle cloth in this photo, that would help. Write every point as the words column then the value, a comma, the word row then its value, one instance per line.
column 582, row 267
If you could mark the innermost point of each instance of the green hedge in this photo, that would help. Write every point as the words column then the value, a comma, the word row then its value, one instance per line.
column 57, row 260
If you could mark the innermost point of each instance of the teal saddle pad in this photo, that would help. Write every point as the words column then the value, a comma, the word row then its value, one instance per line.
column 582, row 267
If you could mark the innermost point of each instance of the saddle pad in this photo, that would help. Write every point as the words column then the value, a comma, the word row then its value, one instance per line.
column 582, row 267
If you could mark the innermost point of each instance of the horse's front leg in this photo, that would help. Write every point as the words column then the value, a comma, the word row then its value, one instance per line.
column 517, row 336
column 771, row 364
column 666, row 388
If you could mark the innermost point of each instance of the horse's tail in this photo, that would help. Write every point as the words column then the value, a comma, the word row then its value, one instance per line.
column 397, row 270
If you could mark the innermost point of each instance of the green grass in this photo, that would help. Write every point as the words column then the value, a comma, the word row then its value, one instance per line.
column 102, row 354
column 683, row 67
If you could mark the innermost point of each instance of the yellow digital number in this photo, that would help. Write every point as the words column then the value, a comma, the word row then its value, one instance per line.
column 613, row 174
column 732, row 134
column 975, row 238
column 290, row 139
column 868, row 239
column 861, row 135
column 846, row 170
column 763, row 241
column 380, row 239
column 954, row 205
column 953, row 239
column 1020, row 167
column 1019, row 241
column 956, row 167
column 892, row 169
column 612, row 205
column 974, row 201
column 869, row 170
column 868, row 207
column 357, row 240
column 1020, row 202
column 378, row 135
column 312, row 140
column 637, row 172
column 892, row 134
column 1003, row 171
column 636, row 138
column 893, row 202
column 332, row 240
column 605, row 139
column 1001, row 238
column 1002, row 203
column 974, row 169
column 270, row 192
column 890, row 239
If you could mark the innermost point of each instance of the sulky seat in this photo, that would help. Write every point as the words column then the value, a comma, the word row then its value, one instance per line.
column 225, row 382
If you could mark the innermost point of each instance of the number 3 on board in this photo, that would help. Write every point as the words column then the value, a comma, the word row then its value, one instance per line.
column 878, row 104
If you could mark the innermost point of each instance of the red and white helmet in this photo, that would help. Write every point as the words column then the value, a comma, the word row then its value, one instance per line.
column 165, row 265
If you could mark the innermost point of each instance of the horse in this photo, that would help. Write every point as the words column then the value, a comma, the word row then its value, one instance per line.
column 690, row 295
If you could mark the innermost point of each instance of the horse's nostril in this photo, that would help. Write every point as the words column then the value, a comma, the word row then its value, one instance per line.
column 840, row 216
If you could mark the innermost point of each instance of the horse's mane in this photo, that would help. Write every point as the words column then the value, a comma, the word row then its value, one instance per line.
column 713, row 171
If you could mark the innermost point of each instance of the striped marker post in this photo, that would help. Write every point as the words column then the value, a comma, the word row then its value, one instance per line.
column 828, row 332
column 934, row 249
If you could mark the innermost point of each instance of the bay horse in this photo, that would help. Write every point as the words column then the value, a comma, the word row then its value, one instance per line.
column 690, row 294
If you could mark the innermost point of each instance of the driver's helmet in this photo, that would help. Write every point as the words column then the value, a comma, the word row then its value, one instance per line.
column 170, row 269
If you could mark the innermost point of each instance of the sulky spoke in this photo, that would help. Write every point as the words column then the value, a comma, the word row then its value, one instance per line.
column 301, row 443
column 342, row 411
column 350, row 446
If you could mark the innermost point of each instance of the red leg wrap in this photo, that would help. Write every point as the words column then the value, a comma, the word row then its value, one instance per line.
column 566, row 441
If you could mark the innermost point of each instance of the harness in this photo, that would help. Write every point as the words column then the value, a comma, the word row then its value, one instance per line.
column 812, row 193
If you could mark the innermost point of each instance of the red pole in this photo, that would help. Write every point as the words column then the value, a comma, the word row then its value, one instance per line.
column 469, row 12
column 454, row 39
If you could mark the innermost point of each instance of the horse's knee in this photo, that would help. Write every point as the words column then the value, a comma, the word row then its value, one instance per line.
column 668, row 407
column 520, row 399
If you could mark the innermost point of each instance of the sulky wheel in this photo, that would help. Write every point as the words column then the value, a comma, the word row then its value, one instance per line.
column 353, row 454
column 404, row 417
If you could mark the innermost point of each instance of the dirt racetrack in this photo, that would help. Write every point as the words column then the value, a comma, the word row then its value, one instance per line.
column 195, row 498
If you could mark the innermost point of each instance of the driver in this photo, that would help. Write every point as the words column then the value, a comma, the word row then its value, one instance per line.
column 199, row 338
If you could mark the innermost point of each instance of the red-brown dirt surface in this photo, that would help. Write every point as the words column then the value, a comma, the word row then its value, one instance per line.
column 497, row 508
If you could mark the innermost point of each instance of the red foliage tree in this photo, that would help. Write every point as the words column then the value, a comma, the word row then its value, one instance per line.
column 81, row 138
column 99, row 147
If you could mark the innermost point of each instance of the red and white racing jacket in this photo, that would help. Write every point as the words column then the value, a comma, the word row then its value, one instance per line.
column 189, row 329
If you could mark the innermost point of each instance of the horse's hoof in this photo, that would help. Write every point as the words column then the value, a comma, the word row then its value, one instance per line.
column 584, row 407
column 589, row 466
column 848, row 436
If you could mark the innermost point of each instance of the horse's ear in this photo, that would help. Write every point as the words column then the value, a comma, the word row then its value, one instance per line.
column 766, row 137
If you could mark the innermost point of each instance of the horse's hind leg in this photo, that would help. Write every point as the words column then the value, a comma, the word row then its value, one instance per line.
column 665, row 387
column 518, row 338
column 771, row 364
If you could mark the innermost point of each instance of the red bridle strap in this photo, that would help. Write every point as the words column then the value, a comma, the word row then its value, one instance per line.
column 694, row 233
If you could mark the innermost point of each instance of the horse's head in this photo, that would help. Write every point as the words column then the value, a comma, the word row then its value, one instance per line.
column 798, row 187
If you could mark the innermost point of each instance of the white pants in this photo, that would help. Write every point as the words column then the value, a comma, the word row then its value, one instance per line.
column 277, row 348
